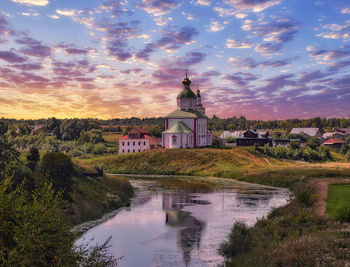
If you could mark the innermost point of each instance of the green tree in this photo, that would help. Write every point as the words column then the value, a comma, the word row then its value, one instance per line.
column 33, row 158
column 58, row 169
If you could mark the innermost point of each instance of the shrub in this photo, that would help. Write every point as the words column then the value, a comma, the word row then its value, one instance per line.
column 305, row 198
column 347, row 156
column 342, row 213
column 239, row 240
column 58, row 169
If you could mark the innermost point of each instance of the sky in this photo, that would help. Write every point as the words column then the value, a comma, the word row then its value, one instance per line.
column 263, row 59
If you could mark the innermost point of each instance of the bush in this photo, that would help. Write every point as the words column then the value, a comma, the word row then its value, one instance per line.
column 342, row 213
column 347, row 156
column 239, row 240
column 305, row 198
column 58, row 169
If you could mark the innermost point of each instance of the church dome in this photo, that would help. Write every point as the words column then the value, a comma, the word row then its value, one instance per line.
column 186, row 92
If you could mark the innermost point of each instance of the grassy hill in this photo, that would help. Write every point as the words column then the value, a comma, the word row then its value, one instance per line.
column 235, row 163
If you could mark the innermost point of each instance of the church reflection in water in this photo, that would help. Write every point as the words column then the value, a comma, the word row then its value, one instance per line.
column 189, row 229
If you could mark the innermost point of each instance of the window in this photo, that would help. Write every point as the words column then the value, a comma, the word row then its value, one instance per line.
column 144, row 143
column 123, row 143
column 123, row 150
column 133, row 150
column 139, row 143
column 128, row 143
column 133, row 143
column 173, row 140
column 128, row 150
column 139, row 150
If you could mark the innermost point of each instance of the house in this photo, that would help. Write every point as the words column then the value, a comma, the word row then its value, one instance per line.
column 309, row 131
column 187, row 127
column 138, row 140
column 336, row 143
column 252, row 137
column 334, row 135
column 281, row 142
column 234, row 134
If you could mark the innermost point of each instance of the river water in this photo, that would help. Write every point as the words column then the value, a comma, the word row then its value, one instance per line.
column 169, row 228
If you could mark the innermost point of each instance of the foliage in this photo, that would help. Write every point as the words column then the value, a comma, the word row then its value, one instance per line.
column 342, row 213
column 155, row 130
column 313, row 154
column 239, row 240
column 305, row 198
column 33, row 157
column 230, row 140
column 347, row 156
column 313, row 142
column 58, row 169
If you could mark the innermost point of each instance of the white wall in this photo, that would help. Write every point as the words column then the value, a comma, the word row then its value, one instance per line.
column 182, row 140
column 135, row 145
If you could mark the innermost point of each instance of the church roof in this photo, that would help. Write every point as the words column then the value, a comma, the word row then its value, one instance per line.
column 186, row 93
column 179, row 127
column 189, row 114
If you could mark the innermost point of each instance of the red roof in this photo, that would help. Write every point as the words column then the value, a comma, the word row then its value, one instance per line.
column 124, row 137
column 333, row 141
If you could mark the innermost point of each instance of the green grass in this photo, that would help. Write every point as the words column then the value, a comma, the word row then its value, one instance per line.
column 111, row 137
column 234, row 163
column 338, row 198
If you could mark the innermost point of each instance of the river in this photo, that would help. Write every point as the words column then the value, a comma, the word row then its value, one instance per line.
column 172, row 228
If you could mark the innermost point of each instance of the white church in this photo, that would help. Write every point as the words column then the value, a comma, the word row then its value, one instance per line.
column 187, row 127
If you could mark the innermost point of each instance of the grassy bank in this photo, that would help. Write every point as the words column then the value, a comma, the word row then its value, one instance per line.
column 234, row 163
column 93, row 195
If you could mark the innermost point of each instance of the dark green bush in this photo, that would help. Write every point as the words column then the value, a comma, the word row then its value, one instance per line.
column 239, row 240
column 342, row 213
column 305, row 198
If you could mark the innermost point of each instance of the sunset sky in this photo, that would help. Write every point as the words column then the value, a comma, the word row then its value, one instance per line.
column 264, row 59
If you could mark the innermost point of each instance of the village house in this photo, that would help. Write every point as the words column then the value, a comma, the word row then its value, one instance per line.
column 252, row 137
column 138, row 140
column 312, row 132
column 187, row 127
column 336, row 143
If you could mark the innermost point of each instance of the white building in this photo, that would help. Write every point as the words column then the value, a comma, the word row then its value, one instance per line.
column 137, row 140
column 187, row 127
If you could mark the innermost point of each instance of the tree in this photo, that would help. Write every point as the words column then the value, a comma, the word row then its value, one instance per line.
column 33, row 233
column 33, row 157
column 58, row 169
column 313, row 143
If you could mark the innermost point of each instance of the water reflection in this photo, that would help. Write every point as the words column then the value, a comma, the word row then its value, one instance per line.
column 189, row 229
column 180, row 229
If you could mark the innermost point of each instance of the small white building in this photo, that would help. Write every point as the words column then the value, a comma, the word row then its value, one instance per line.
column 187, row 127
column 137, row 140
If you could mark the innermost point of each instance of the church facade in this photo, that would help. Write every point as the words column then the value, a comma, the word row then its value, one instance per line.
column 187, row 127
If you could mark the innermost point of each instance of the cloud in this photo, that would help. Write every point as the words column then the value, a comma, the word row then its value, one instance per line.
column 306, row 77
column 27, row 67
column 210, row 73
column 116, row 7
column 158, row 7
column 278, row 30
column 170, row 40
column 346, row 10
column 326, row 55
column 203, row 2
column 4, row 26
column 215, row 26
column 11, row 57
column 240, row 79
column 32, row 2
column 242, row 63
column 66, row 12
column 231, row 43
column 335, row 66
column 190, row 59
column 268, row 48
column 336, row 31
column 117, row 36
column 253, row 5
column 33, row 47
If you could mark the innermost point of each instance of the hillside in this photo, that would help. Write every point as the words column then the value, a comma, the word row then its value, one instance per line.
column 235, row 163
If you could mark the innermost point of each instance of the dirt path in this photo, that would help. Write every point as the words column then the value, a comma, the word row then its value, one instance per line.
column 267, row 161
column 321, row 186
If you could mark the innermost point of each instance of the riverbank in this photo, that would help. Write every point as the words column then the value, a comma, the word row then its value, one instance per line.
column 94, row 195
column 295, row 235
